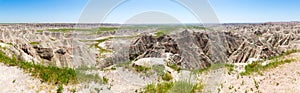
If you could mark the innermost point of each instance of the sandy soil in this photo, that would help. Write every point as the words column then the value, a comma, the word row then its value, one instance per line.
column 14, row 80
column 283, row 79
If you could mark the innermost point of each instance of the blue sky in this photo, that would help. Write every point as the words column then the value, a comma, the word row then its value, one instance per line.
column 227, row 11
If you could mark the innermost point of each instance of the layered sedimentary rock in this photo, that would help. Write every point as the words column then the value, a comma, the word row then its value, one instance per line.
column 203, row 48
column 233, row 43
column 48, row 48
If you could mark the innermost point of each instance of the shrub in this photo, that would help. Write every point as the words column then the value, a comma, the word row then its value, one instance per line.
column 167, row 76
column 159, row 69
column 163, row 87
column 105, row 80
column 141, row 68
column 173, row 66
column 59, row 88
column 182, row 87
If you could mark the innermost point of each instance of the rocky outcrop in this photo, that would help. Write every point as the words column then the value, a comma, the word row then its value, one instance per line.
column 236, row 43
column 45, row 53
column 48, row 48
column 201, row 49
column 149, row 46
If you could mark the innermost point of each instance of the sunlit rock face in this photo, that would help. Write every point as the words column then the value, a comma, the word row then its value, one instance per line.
column 239, row 44
column 24, row 42
column 186, row 47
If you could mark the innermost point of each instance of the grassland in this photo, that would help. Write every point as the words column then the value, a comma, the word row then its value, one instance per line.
column 174, row 87
column 257, row 67
column 50, row 74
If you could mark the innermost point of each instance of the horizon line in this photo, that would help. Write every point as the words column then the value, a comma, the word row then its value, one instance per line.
column 146, row 23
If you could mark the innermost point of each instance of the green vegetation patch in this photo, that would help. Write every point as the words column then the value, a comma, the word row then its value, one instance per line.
column 34, row 43
column 65, row 30
column 163, row 87
column 256, row 67
column 141, row 68
column 288, row 52
column 230, row 68
column 174, row 87
column 159, row 69
column 200, row 28
column 174, row 66
column 167, row 76
column 50, row 74
column 40, row 31
column 108, row 28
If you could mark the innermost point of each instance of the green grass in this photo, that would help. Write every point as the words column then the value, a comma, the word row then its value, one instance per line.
column 34, row 43
column 214, row 67
column 108, row 28
column 256, row 67
column 100, row 30
column 174, row 66
column 105, row 80
column 60, row 88
column 50, row 74
column 124, row 64
column 159, row 69
column 167, row 76
column 163, row 87
column 64, row 30
column 40, row 31
column 141, row 69
column 288, row 52
column 92, row 30
column 182, row 87
column 159, row 33
column 100, row 49
column 174, row 87
column 200, row 28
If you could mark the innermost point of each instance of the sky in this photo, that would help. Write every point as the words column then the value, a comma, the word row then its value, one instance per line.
column 71, row 11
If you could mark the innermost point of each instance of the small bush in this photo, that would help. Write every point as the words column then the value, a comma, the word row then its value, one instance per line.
column 167, row 76
column 141, row 68
column 163, row 87
column 182, row 87
column 159, row 34
column 159, row 69
column 173, row 66
column 105, row 80
column 60, row 88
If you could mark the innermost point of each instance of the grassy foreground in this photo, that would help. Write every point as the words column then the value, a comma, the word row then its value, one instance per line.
column 50, row 74
column 257, row 67
column 174, row 87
